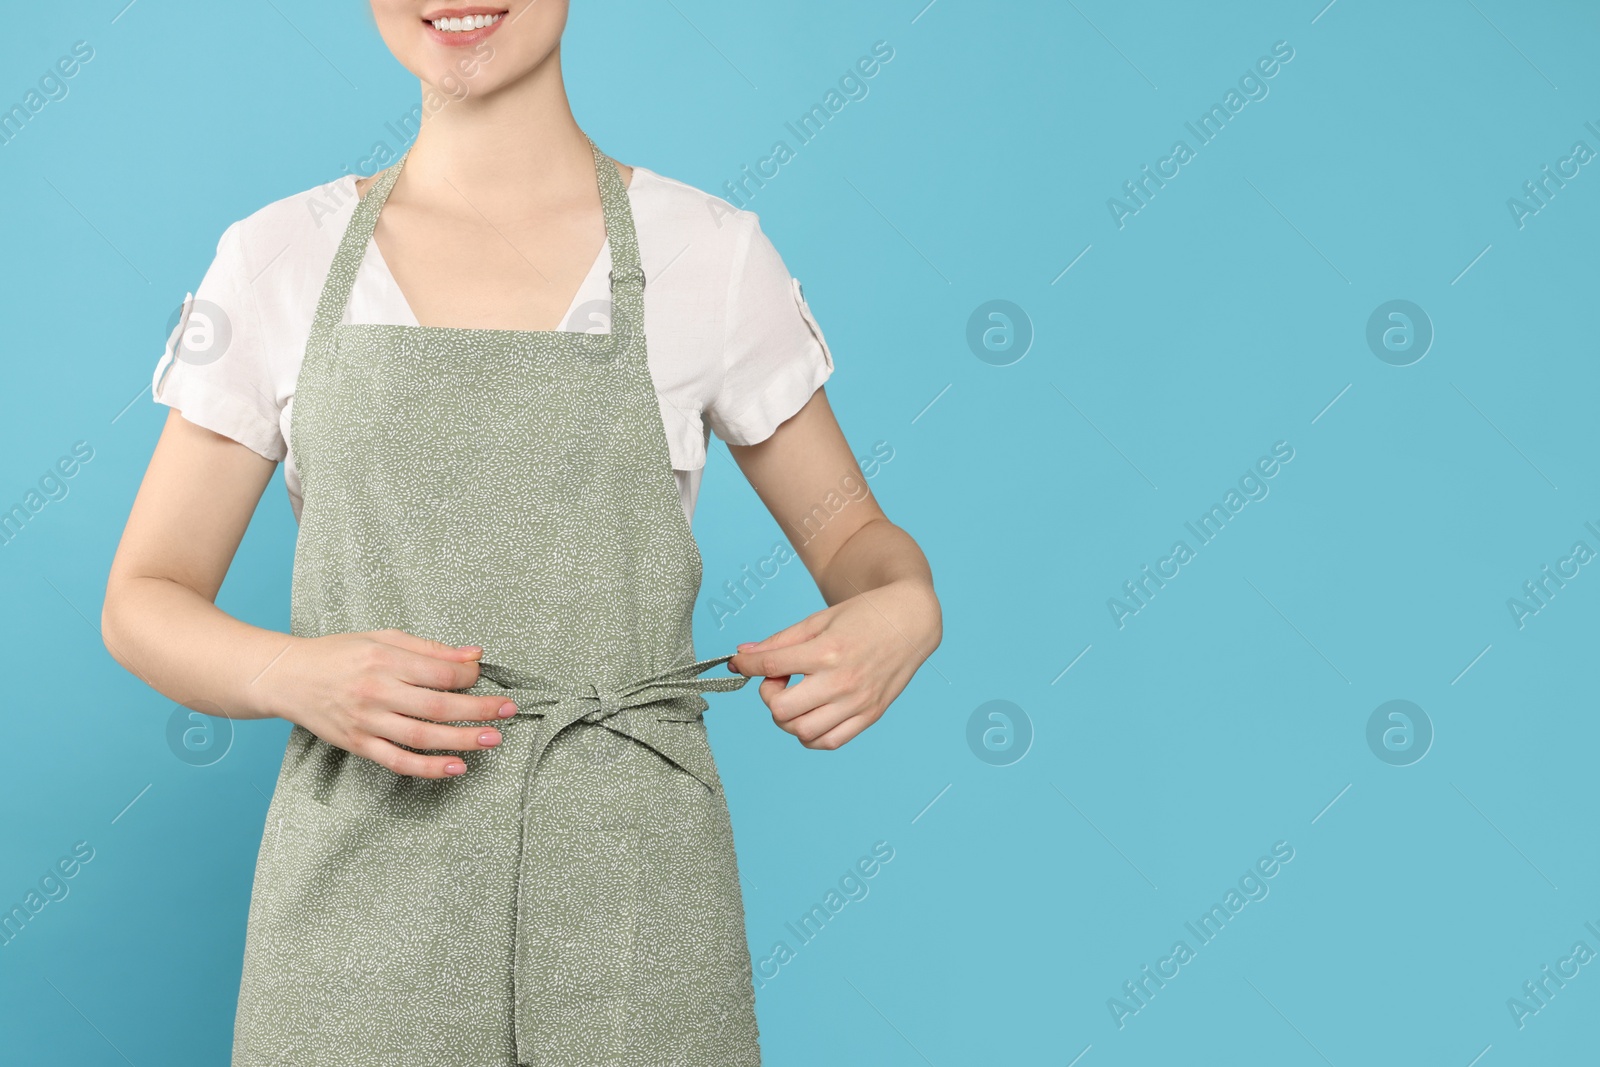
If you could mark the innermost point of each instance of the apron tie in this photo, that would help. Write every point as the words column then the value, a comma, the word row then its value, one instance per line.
column 618, row 710
column 546, row 992
column 610, row 702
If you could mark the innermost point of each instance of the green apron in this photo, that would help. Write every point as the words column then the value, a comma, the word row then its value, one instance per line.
column 573, row 898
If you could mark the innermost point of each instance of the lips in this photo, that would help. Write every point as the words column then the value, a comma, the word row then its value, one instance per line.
column 461, row 26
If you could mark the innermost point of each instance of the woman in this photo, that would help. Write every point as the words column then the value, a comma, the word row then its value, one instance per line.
column 494, row 508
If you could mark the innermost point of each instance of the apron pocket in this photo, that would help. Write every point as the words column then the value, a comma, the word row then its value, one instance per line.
column 577, row 912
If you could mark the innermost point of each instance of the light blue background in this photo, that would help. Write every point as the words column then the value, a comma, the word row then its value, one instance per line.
column 1228, row 314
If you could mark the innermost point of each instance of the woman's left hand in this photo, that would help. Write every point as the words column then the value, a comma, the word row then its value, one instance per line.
column 856, row 656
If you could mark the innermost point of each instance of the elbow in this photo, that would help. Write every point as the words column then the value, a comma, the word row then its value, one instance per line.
column 115, row 625
column 108, row 619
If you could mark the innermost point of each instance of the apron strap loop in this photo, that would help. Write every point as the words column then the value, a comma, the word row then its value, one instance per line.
column 627, row 272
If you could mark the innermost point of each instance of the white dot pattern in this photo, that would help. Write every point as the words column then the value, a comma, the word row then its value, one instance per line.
column 574, row 897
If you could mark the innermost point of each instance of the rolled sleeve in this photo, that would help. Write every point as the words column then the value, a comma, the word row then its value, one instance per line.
column 213, row 368
column 774, row 354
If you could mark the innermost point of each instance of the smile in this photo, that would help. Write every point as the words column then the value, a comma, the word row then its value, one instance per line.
column 463, row 26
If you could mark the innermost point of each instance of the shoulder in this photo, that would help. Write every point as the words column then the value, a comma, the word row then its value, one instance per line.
column 276, row 258
column 229, row 364
column 764, row 355
column 268, row 272
column 306, row 223
column 681, row 217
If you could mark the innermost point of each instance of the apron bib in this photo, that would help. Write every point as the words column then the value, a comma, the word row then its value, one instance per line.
column 573, row 898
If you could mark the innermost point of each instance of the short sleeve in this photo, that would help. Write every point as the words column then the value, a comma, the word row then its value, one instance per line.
column 214, row 369
column 774, row 354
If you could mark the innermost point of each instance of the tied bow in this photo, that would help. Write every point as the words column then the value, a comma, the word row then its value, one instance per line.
column 618, row 710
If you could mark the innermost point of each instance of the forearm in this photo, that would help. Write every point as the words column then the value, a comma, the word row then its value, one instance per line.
column 876, row 555
column 188, row 649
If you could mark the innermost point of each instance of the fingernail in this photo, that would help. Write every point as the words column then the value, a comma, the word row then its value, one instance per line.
column 455, row 768
column 488, row 738
column 507, row 710
column 748, row 644
column 476, row 650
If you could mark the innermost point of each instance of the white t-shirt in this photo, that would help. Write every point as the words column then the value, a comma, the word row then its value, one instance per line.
column 733, row 347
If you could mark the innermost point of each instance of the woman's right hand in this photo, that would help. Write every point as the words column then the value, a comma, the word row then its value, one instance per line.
column 369, row 693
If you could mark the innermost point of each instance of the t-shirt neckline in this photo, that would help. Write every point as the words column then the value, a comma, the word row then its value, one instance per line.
column 386, row 276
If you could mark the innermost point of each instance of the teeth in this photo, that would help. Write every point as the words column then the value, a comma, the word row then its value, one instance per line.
column 462, row 25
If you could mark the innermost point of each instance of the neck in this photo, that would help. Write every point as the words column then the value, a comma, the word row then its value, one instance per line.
column 519, row 144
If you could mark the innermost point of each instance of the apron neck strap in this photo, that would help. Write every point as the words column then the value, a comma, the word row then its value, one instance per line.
column 347, row 260
column 627, row 273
